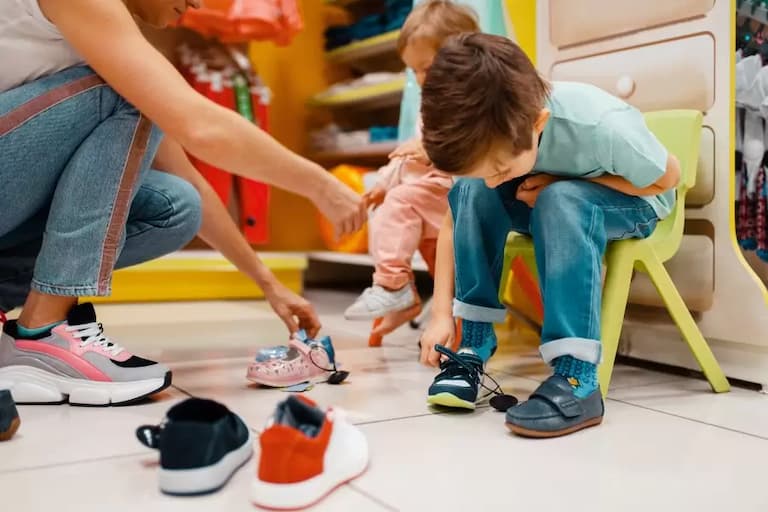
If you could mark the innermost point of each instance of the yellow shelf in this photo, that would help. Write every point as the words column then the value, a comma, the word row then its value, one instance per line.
column 200, row 275
column 366, row 48
column 385, row 94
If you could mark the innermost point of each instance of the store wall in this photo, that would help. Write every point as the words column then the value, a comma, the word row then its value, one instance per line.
column 294, row 73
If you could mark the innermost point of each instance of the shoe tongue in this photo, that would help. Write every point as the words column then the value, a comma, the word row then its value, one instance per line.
column 467, row 350
column 82, row 314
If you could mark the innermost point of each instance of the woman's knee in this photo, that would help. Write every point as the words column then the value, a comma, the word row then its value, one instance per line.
column 170, row 202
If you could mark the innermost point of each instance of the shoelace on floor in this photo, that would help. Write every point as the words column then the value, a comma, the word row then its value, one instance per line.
column 457, row 365
column 93, row 333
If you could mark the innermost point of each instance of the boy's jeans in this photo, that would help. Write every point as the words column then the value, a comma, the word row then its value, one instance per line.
column 77, row 196
column 571, row 223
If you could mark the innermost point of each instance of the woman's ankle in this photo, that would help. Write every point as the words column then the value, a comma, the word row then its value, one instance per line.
column 42, row 309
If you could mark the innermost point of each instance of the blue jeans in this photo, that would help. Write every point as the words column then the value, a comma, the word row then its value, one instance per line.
column 77, row 195
column 571, row 224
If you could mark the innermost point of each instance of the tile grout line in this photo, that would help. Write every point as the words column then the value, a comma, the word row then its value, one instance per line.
column 693, row 420
column 371, row 497
column 73, row 463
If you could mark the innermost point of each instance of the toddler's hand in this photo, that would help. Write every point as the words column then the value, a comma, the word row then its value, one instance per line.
column 440, row 331
column 412, row 149
column 374, row 197
column 531, row 187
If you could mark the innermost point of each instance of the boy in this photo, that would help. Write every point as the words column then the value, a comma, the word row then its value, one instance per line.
column 570, row 165
column 411, row 195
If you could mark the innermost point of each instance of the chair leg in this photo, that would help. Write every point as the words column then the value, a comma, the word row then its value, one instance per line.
column 687, row 325
column 614, row 306
column 417, row 322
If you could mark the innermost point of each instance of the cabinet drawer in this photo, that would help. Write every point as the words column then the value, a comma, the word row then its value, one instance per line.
column 674, row 74
column 704, row 190
column 570, row 24
column 691, row 269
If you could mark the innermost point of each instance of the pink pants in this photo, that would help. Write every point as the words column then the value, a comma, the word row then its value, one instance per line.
column 410, row 213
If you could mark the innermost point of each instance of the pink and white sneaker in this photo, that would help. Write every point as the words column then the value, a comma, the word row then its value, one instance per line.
column 76, row 363
column 305, row 360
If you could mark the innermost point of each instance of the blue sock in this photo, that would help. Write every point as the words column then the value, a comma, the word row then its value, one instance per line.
column 581, row 375
column 26, row 332
column 480, row 337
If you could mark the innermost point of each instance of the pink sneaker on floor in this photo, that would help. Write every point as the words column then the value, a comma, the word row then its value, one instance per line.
column 305, row 361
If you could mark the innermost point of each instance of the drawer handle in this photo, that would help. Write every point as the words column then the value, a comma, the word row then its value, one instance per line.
column 625, row 86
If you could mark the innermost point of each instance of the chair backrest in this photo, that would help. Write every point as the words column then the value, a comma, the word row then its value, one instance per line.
column 680, row 132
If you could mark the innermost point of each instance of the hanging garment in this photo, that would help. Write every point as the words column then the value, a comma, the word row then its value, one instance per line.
column 240, row 21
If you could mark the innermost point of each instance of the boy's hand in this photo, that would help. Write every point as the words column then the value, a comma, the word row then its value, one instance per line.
column 412, row 149
column 374, row 197
column 440, row 331
column 529, row 190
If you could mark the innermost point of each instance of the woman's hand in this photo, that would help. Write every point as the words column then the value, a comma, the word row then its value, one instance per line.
column 346, row 210
column 295, row 311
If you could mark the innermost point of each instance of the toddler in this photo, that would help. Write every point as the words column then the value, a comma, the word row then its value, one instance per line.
column 567, row 163
column 411, row 194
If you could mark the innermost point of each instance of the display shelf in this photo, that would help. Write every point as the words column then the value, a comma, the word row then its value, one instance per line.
column 755, row 10
column 360, row 260
column 200, row 275
column 372, row 153
column 367, row 48
column 371, row 96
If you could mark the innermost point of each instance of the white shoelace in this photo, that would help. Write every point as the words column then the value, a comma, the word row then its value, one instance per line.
column 93, row 333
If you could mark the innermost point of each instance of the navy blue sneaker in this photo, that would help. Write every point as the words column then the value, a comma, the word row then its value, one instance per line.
column 201, row 443
column 459, row 380
column 9, row 416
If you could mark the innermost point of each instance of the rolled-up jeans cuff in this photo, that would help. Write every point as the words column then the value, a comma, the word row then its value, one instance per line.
column 582, row 349
column 71, row 291
column 478, row 313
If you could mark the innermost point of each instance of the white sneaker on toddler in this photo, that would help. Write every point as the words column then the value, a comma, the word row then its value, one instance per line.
column 377, row 301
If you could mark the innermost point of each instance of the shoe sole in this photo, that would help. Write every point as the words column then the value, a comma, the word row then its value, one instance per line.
column 207, row 479
column 8, row 434
column 274, row 384
column 31, row 385
column 448, row 400
column 524, row 432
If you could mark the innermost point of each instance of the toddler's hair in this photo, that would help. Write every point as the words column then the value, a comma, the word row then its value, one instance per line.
column 436, row 21
column 481, row 90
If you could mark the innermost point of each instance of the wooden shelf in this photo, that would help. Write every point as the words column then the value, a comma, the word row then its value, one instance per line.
column 367, row 48
column 371, row 96
column 372, row 153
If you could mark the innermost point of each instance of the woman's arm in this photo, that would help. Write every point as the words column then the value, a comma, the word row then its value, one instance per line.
column 220, row 232
column 105, row 34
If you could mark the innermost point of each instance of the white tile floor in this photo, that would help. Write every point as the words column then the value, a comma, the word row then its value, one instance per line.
column 667, row 443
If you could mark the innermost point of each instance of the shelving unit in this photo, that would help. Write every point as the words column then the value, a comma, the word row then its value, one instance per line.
column 372, row 47
column 757, row 10
column 373, row 96
column 360, row 260
column 365, row 155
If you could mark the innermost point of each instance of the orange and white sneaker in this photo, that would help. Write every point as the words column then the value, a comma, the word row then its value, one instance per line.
column 306, row 453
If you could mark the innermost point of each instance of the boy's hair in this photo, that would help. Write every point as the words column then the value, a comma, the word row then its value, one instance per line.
column 437, row 20
column 481, row 90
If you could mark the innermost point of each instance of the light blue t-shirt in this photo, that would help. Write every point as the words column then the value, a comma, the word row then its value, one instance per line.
column 591, row 133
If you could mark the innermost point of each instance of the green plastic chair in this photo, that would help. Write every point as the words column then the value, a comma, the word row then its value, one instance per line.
column 680, row 132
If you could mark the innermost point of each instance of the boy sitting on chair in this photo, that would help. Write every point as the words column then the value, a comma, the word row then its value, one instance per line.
column 566, row 163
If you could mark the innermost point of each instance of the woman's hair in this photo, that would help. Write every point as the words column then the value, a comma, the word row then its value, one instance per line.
column 436, row 21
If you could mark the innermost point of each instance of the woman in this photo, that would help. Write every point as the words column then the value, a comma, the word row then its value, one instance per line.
column 89, row 114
